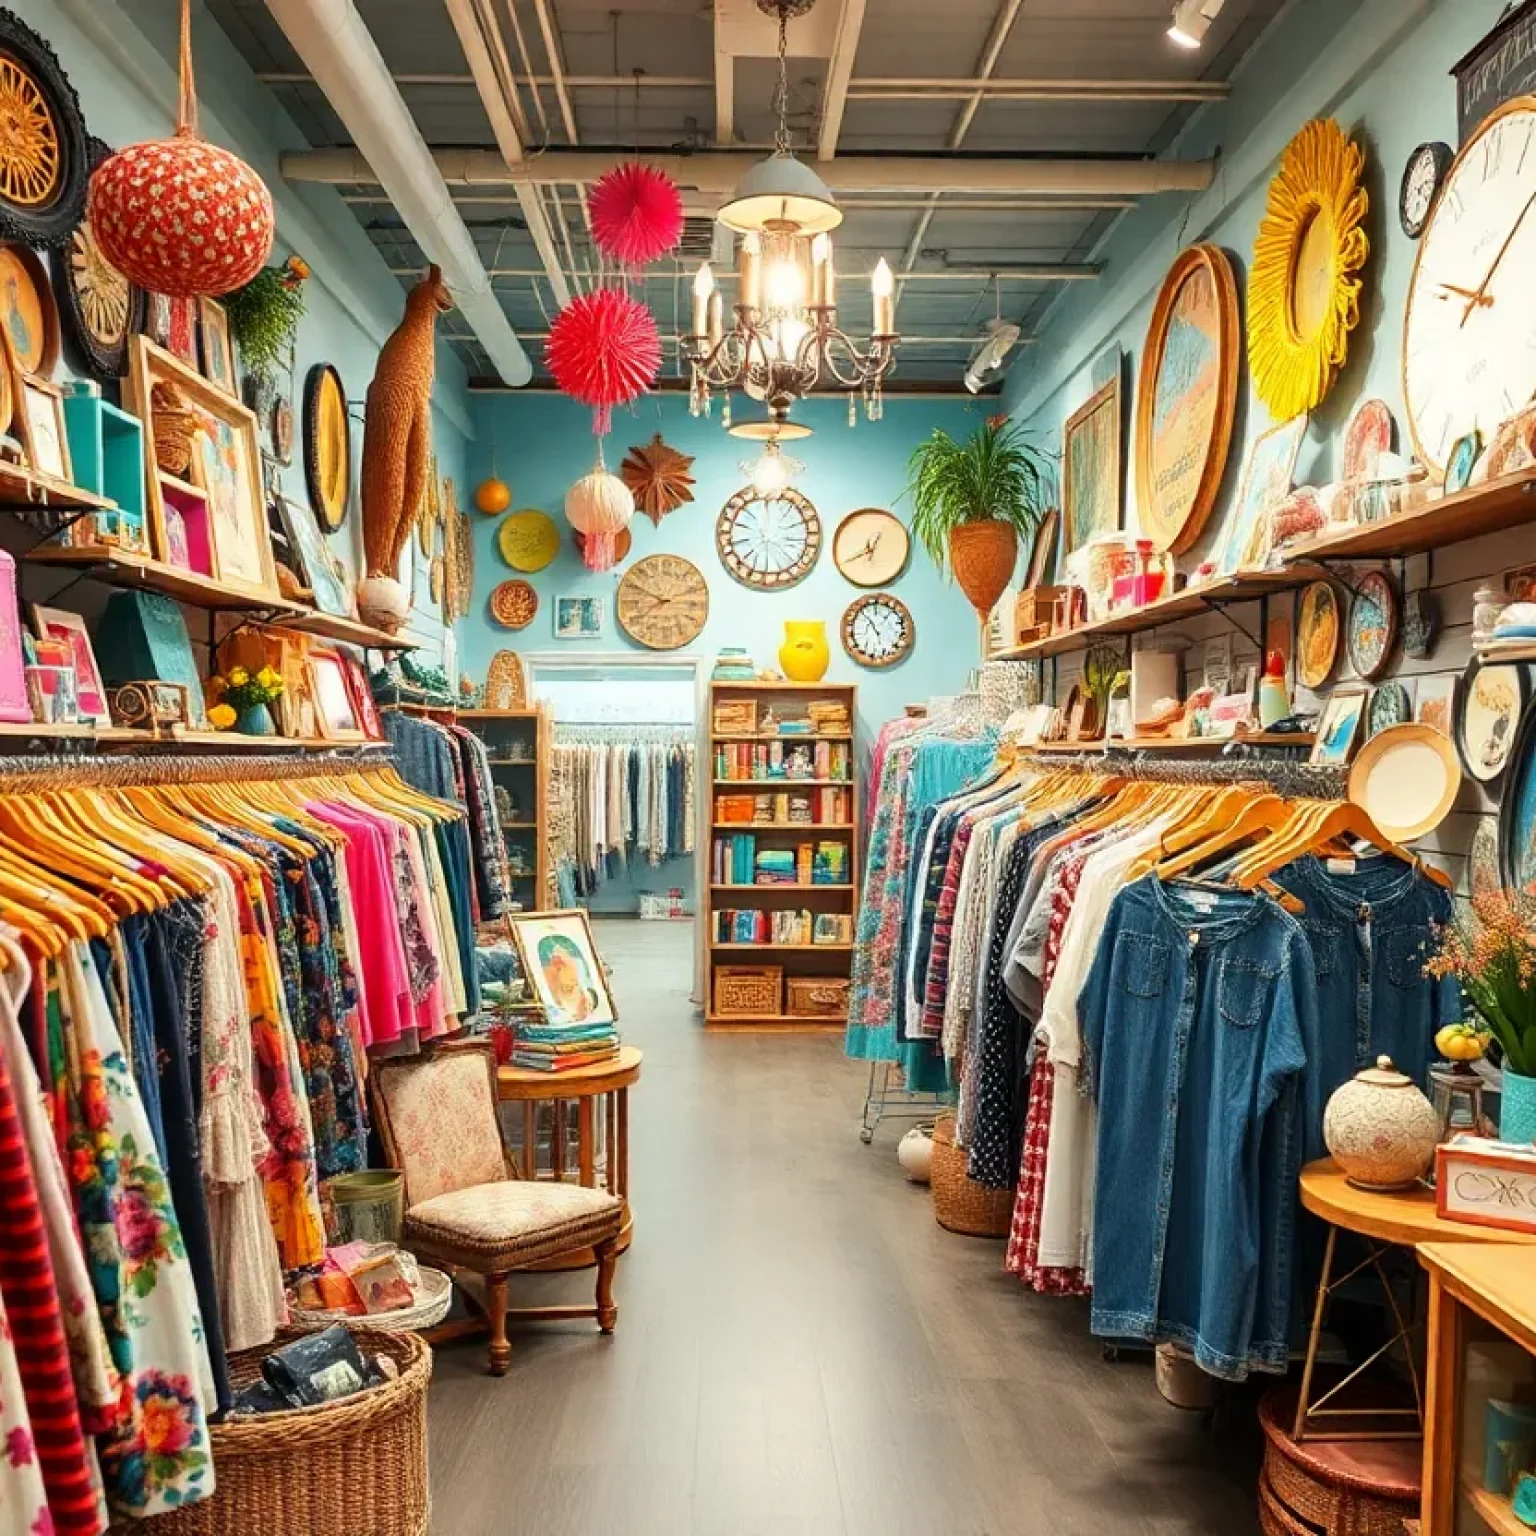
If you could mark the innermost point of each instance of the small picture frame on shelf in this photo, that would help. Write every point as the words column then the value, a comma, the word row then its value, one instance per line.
column 216, row 348
column 560, row 961
column 363, row 706
column 47, row 440
column 578, row 618
column 318, row 567
column 69, row 629
column 336, row 717
column 1338, row 727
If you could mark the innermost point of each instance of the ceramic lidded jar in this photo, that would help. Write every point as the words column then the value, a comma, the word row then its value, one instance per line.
column 1381, row 1129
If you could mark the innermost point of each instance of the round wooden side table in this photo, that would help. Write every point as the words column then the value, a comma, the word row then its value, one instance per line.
column 1403, row 1218
column 587, row 1114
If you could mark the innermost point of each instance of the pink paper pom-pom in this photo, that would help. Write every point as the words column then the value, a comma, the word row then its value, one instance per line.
column 637, row 213
column 604, row 350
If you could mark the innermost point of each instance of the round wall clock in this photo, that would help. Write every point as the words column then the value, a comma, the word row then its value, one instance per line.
column 769, row 543
column 44, row 156
column 528, row 540
column 663, row 602
column 1489, row 704
column 1303, row 294
column 1186, row 398
column 98, row 306
column 1317, row 634
column 878, row 630
column 871, row 547
column 1372, row 630
column 1469, row 331
column 327, row 446
column 1422, row 175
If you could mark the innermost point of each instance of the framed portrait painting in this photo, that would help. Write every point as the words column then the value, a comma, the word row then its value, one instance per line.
column 1091, row 467
column 560, row 961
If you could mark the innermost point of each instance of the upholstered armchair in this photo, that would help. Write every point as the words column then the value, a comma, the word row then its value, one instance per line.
column 464, row 1208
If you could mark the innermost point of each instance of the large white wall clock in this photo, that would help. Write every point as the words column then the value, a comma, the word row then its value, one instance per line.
column 1469, row 333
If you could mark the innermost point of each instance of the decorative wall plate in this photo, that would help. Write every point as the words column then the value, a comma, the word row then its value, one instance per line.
column 44, row 156
column 769, row 543
column 1489, row 707
column 1303, row 294
column 1389, row 706
column 528, row 540
column 280, row 421
column 658, row 476
column 506, row 685
column 1366, row 438
column 1373, row 623
column 327, row 446
column 1318, row 631
column 1465, row 452
column 1186, row 398
column 1517, row 816
column 878, row 630
column 663, row 602
column 98, row 306
column 1483, row 876
column 871, row 547
column 28, row 311
column 1422, row 174
column 514, row 604
column 1406, row 779
column 1421, row 624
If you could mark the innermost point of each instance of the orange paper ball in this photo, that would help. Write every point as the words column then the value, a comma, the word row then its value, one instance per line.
column 493, row 496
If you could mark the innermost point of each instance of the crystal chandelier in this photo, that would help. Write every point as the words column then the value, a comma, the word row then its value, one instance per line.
column 785, row 341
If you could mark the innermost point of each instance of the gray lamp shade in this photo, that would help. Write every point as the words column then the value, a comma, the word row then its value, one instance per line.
column 785, row 189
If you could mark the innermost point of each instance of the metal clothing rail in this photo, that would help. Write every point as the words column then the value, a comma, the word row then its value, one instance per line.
column 1293, row 781
column 18, row 775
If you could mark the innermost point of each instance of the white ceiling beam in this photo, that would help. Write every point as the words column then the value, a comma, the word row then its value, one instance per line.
column 852, row 203
column 725, row 81
column 1045, row 273
column 834, row 96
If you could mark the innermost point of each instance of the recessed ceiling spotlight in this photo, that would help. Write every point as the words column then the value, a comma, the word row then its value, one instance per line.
column 1192, row 20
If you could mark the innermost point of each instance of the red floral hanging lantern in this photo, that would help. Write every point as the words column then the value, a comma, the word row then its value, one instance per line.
column 637, row 214
column 181, row 216
column 604, row 350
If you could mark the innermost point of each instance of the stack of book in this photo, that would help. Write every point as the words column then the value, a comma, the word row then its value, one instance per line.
column 830, row 717
column 564, row 1047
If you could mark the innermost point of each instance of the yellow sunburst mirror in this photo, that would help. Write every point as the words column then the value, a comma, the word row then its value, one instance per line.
column 1303, row 292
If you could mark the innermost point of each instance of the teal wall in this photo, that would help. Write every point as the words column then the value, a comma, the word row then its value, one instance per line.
column 119, row 55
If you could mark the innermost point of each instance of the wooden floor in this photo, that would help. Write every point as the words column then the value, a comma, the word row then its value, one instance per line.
column 801, row 1350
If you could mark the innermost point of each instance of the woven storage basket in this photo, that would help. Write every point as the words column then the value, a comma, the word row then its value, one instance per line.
column 982, row 556
column 356, row 1467
column 960, row 1204
column 431, row 1308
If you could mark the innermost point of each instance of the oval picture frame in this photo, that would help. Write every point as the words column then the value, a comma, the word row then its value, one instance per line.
column 1175, row 523
column 1471, row 708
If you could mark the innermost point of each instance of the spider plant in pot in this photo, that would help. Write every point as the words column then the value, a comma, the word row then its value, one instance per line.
column 972, row 500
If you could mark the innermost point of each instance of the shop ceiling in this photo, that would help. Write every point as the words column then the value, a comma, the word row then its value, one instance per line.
column 982, row 146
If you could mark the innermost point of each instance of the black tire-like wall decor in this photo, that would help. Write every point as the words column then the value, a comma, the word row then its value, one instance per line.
column 98, row 307
column 45, row 162
column 327, row 433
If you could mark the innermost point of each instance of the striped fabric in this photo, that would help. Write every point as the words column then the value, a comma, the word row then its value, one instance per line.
column 32, row 1305
column 937, row 988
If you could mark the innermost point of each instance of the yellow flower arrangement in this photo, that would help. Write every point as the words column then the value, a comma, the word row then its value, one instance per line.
column 1303, row 294
column 221, row 717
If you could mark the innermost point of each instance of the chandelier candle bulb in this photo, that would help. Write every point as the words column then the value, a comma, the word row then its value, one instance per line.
column 882, row 286
column 824, row 284
column 703, row 292
column 716, row 319
column 750, row 270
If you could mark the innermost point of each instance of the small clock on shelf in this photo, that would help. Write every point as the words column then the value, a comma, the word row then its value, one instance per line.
column 871, row 547
column 878, row 630
column 1422, row 176
column 663, row 602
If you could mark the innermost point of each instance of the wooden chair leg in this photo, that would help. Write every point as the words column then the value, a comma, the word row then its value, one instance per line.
column 496, row 1316
column 607, row 1261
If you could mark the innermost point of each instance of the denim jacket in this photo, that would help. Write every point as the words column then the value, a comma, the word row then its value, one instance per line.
column 1370, row 933
column 1197, row 1017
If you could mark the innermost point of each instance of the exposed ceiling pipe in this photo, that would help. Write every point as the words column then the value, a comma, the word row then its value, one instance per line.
column 834, row 96
column 567, row 115
column 851, row 202
column 329, row 36
column 720, row 170
column 510, row 145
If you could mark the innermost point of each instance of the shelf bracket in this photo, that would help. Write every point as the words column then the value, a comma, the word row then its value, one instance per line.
column 1217, row 606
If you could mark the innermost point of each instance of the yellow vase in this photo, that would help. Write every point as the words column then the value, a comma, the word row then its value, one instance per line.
column 804, row 657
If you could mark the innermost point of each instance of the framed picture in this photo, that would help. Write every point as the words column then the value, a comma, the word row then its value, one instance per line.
column 218, row 351
column 1266, row 481
column 1091, row 467
column 363, row 706
column 1435, row 703
column 317, row 566
column 336, row 717
column 69, row 630
column 578, row 618
column 1042, row 557
column 560, row 961
column 1489, row 706
column 1339, row 726
column 46, row 440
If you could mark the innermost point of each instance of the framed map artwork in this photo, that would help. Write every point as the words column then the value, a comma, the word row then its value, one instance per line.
column 1091, row 467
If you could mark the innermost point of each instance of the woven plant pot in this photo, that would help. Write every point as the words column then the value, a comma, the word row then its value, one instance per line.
column 354, row 1466
column 982, row 556
column 960, row 1204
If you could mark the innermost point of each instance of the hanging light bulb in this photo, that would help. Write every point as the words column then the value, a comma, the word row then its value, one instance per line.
column 703, row 291
column 771, row 471
column 883, row 286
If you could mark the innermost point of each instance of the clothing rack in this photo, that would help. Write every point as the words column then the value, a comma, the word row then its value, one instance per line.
column 20, row 774
column 1293, row 781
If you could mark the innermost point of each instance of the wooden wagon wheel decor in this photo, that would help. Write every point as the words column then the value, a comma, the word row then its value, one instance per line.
column 44, row 159
column 98, row 306
column 657, row 475
column 769, row 543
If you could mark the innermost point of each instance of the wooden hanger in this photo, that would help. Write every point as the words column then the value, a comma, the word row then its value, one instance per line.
column 1316, row 823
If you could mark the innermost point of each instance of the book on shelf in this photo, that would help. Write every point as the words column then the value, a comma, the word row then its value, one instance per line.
column 784, row 761
column 792, row 925
column 831, row 806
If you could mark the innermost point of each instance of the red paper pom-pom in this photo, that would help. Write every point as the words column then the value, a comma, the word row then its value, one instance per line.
column 637, row 213
column 182, row 217
column 604, row 350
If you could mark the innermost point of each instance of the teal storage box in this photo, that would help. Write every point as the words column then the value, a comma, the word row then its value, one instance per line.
column 143, row 637
column 106, row 451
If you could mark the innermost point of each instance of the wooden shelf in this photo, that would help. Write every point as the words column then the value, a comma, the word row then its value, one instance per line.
column 784, row 1023
column 331, row 626
column 783, row 783
column 779, row 736
column 180, row 486
column 498, row 714
column 115, row 568
column 1498, row 1514
column 513, row 762
column 26, row 490
column 764, row 949
column 1171, row 745
column 519, row 826
column 726, row 684
column 825, row 885
column 783, row 826
column 80, row 731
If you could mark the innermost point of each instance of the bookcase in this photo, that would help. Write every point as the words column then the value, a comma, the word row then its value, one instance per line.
column 781, row 854
column 518, row 742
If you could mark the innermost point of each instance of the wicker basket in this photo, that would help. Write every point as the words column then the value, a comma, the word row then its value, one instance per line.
column 356, row 1467
column 746, row 991
column 432, row 1304
column 505, row 684
column 174, row 427
column 960, row 1204
column 982, row 556
column 817, row 997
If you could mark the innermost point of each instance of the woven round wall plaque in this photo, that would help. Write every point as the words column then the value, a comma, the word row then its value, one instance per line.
column 514, row 604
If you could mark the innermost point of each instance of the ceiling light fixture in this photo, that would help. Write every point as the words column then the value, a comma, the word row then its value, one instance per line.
column 785, row 338
column 1192, row 20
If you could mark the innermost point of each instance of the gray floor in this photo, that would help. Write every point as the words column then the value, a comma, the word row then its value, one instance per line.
column 801, row 1349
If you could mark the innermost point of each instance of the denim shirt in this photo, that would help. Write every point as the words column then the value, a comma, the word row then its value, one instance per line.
column 1196, row 1019
column 1370, row 932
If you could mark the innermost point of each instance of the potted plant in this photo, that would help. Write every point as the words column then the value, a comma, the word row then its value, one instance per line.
column 245, row 698
column 1493, row 955
column 972, row 500
column 264, row 318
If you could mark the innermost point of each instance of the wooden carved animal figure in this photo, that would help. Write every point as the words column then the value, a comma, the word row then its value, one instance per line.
column 397, row 431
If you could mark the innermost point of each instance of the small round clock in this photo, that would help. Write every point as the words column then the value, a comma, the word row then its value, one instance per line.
column 768, row 542
column 871, row 547
column 663, row 602
column 1422, row 176
column 878, row 630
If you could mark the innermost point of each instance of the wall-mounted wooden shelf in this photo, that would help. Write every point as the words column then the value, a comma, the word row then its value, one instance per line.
column 782, row 826
column 769, row 949
column 778, row 736
column 330, row 626
column 784, row 783
column 26, row 490
column 114, row 567
column 1171, row 745
column 783, row 885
